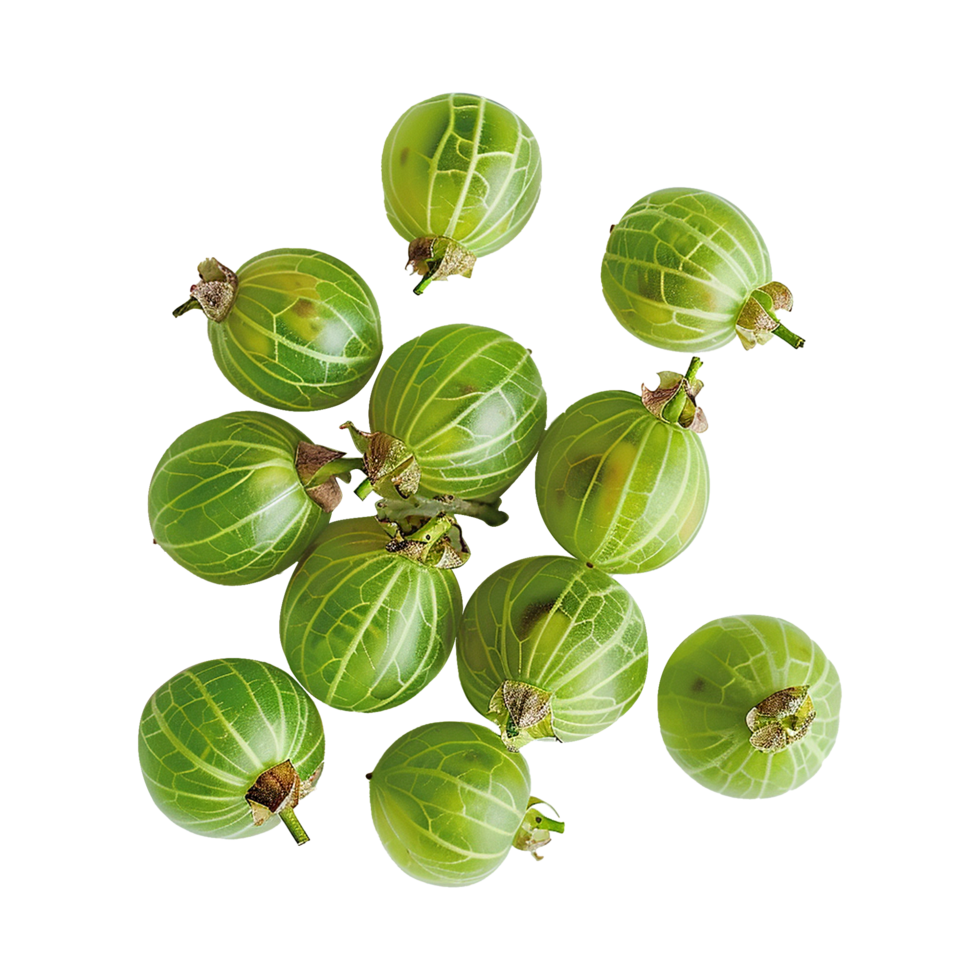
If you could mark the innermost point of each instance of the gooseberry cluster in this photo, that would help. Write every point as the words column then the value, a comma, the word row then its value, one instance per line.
column 548, row 646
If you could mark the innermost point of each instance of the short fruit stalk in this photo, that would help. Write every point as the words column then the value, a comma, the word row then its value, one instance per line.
column 278, row 791
column 536, row 829
column 674, row 399
column 436, row 542
column 394, row 474
column 436, row 258
column 319, row 469
column 757, row 320
column 214, row 294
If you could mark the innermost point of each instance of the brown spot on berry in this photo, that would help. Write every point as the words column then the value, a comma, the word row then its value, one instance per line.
column 531, row 615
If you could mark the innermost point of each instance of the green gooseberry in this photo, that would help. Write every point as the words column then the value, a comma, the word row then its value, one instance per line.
column 229, row 747
column 461, row 176
column 550, row 647
column 687, row 270
column 229, row 499
column 367, row 622
column 749, row 706
column 467, row 404
column 622, row 480
column 294, row 329
column 449, row 802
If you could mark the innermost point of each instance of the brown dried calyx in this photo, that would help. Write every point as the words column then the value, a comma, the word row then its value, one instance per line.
column 389, row 464
column 781, row 719
column 276, row 789
column 279, row 791
column 757, row 321
column 215, row 293
column 674, row 399
column 437, row 258
column 310, row 459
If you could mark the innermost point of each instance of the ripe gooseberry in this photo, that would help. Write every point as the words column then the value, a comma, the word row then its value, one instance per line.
column 749, row 706
column 449, row 802
column 231, row 499
column 461, row 176
column 369, row 619
column 686, row 270
column 549, row 647
column 467, row 405
column 229, row 747
column 293, row 329
column 622, row 480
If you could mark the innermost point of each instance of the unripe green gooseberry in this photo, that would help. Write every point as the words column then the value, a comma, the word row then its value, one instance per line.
column 365, row 628
column 686, row 270
column 449, row 802
column 549, row 647
column 227, row 502
column 468, row 403
column 229, row 747
column 621, row 485
column 749, row 706
column 461, row 176
column 294, row 329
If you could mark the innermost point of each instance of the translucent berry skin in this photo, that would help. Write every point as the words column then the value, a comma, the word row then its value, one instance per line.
column 447, row 799
column 618, row 487
column 712, row 681
column 365, row 629
column 469, row 402
column 208, row 733
column 304, row 332
column 562, row 627
column 463, row 167
column 226, row 502
column 680, row 265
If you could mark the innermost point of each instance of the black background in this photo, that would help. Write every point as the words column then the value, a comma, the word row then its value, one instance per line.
column 769, row 541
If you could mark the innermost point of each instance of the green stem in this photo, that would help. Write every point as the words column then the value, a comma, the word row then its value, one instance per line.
column 546, row 823
column 673, row 408
column 191, row 304
column 439, row 257
column 783, row 333
column 363, row 489
column 289, row 818
column 420, row 288
column 543, row 820
column 338, row 467
column 490, row 514
column 772, row 297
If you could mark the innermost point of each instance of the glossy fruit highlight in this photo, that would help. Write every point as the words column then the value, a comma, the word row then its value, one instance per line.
column 449, row 802
column 749, row 706
column 227, row 502
column 622, row 484
column 686, row 270
column 469, row 405
column 365, row 626
column 229, row 747
column 461, row 176
column 294, row 329
column 549, row 647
